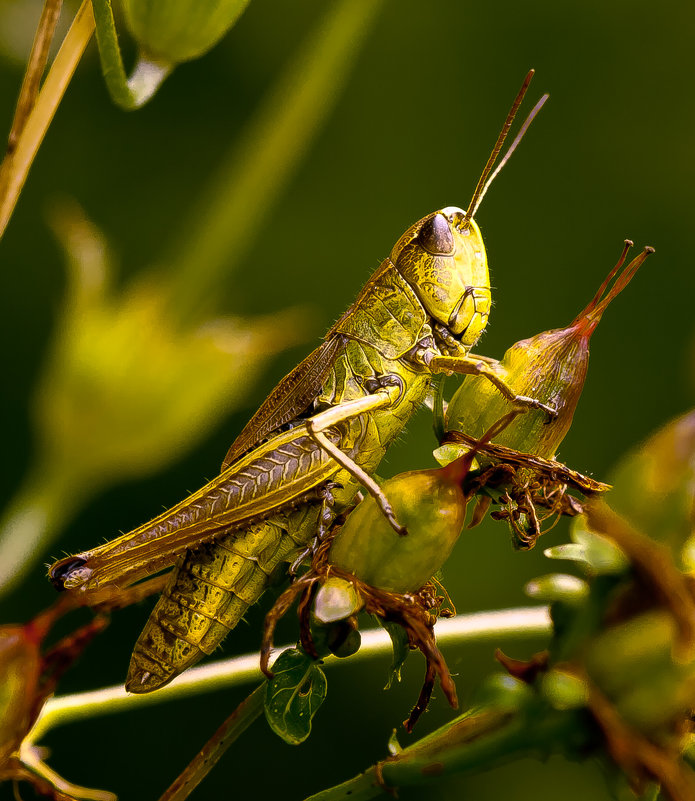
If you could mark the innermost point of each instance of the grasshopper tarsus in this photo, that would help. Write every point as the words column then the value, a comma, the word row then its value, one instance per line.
column 534, row 403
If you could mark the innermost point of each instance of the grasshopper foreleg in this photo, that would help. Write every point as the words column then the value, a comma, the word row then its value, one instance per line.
column 386, row 396
column 473, row 366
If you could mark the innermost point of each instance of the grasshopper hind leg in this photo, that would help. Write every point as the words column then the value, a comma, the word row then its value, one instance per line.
column 207, row 595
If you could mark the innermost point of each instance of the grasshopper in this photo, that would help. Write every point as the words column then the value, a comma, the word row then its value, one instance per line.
column 316, row 439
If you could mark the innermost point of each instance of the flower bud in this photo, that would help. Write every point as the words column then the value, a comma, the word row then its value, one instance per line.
column 557, row 587
column 550, row 367
column 172, row 31
column 430, row 504
column 635, row 666
column 564, row 690
column 336, row 600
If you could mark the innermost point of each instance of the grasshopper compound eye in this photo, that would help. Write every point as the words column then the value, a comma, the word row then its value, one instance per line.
column 435, row 236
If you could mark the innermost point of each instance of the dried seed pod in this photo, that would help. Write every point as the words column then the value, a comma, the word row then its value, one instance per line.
column 550, row 366
column 171, row 31
column 432, row 507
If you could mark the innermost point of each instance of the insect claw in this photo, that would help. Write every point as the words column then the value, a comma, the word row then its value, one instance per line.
column 294, row 567
column 534, row 403
column 551, row 411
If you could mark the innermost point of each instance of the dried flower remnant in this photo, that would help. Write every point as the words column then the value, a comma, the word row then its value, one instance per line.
column 28, row 677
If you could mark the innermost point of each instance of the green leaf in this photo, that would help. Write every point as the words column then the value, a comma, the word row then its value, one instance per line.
column 293, row 695
column 401, row 649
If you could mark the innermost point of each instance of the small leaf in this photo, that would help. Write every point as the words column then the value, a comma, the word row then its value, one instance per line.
column 394, row 747
column 293, row 695
column 599, row 555
column 401, row 649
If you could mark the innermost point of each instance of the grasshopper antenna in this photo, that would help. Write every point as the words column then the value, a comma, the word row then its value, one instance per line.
column 487, row 176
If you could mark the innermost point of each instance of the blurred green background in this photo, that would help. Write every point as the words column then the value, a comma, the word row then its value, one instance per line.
column 609, row 157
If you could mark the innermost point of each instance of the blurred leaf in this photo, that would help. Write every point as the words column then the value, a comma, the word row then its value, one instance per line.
column 125, row 390
column 654, row 488
column 597, row 553
column 294, row 695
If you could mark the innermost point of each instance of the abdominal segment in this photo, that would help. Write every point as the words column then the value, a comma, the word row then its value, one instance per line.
column 208, row 593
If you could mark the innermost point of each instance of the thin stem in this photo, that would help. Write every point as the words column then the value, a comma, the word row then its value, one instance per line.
column 16, row 165
column 211, row 753
column 36, row 66
column 128, row 93
column 476, row 627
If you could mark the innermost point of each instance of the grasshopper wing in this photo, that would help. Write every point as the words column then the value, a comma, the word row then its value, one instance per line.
column 288, row 400
column 287, row 470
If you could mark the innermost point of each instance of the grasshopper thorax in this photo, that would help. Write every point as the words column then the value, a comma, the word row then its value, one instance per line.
column 442, row 257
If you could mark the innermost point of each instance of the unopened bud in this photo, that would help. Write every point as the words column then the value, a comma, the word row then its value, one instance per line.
column 550, row 367
column 557, row 587
column 336, row 600
column 171, row 31
column 430, row 504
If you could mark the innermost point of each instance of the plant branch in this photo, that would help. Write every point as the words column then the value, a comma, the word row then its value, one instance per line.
column 476, row 627
column 16, row 165
column 36, row 66
column 472, row 743
column 210, row 754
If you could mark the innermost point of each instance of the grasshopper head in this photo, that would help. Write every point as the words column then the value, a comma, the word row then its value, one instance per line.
column 443, row 259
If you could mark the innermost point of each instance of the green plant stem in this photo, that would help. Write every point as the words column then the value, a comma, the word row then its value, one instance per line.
column 264, row 158
column 474, row 742
column 210, row 754
column 520, row 622
column 148, row 75
column 16, row 165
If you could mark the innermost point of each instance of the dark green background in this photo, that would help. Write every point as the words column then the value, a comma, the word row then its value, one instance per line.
column 611, row 156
